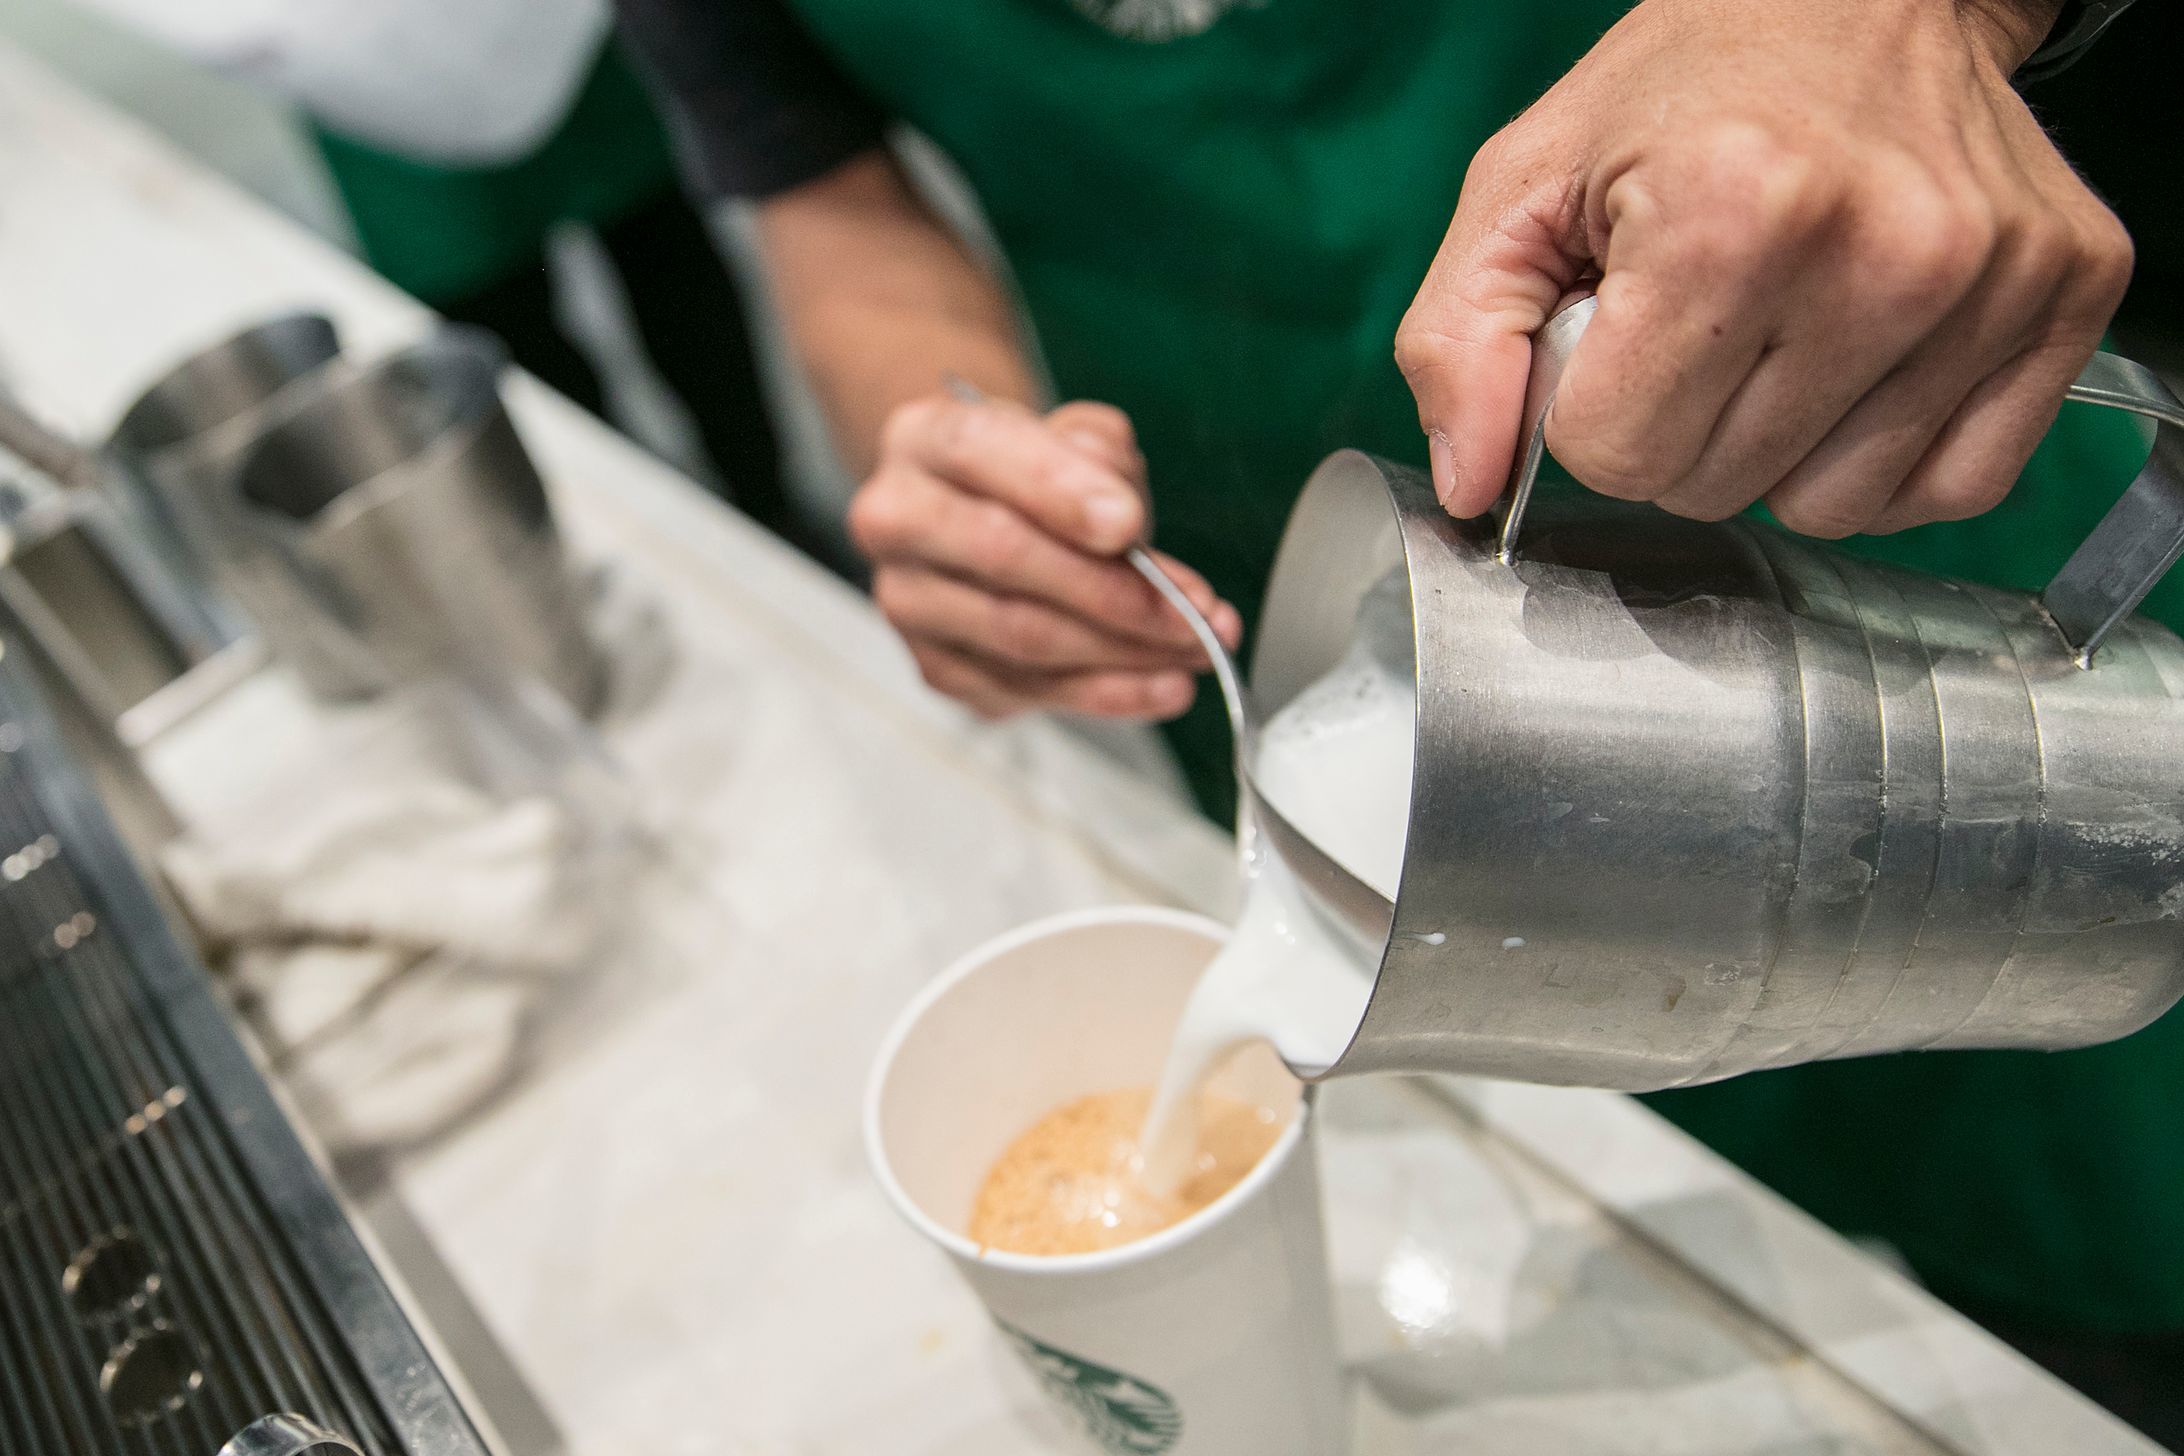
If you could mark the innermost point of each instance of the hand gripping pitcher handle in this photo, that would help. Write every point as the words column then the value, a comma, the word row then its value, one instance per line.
column 2105, row 579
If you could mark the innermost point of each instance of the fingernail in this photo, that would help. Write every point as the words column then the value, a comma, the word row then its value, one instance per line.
column 1111, row 516
column 1442, row 457
column 1088, row 442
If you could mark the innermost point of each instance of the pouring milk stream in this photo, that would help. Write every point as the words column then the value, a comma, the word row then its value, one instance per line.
column 1337, row 763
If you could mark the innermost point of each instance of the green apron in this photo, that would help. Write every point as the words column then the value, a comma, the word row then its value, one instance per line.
column 1219, row 232
column 443, row 232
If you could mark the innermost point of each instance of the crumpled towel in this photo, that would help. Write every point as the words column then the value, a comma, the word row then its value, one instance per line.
column 389, row 939
column 420, row 864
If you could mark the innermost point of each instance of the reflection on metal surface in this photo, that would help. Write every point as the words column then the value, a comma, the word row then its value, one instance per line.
column 405, row 536
column 2138, row 541
column 114, row 1273
column 282, row 1434
column 118, row 637
column 150, row 1374
column 1418, row 1289
column 1551, row 351
column 118, row 630
column 1697, row 798
column 174, row 449
column 171, row 1265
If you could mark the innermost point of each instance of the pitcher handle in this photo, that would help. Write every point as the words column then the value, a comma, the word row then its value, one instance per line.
column 1551, row 349
column 2142, row 535
column 2105, row 579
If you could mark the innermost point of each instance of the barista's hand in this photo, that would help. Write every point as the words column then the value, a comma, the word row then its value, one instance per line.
column 1840, row 266
column 995, row 538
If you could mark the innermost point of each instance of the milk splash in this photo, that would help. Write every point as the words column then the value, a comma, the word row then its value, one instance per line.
column 1337, row 762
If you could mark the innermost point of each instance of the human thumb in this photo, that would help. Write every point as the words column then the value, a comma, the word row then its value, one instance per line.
column 1465, row 344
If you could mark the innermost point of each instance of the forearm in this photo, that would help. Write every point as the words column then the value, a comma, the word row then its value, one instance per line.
column 881, row 301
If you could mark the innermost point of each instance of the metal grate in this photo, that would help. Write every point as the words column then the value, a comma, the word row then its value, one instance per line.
column 171, row 1267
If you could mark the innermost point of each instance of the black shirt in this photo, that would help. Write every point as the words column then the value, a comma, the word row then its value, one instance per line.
column 756, row 106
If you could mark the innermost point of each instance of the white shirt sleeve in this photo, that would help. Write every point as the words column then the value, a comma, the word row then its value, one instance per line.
column 456, row 82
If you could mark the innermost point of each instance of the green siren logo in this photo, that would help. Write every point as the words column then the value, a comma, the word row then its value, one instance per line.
column 1121, row 1412
column 1159, row 19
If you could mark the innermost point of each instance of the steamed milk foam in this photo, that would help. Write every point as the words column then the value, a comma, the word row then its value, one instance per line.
column 1072, row 1185
column 1337, row 762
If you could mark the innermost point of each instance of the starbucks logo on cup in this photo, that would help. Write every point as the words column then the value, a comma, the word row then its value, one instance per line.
column 1159, row 19
column 1124, row 1414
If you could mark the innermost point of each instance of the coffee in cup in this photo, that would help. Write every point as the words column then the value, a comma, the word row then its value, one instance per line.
column 1210, row 1336
column 1073, row 1182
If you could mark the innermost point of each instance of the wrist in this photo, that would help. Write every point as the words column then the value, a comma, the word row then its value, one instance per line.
column 2009, row 30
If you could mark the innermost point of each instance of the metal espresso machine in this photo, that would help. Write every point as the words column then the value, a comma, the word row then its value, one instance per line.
column 177, row 1277
column 1694, row 799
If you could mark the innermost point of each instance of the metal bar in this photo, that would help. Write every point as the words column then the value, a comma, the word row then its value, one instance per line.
column 92, row 1425
column 25, row 1337
column 161, row 1186
column 229, row 1151
column 2127, row 554
column 42, row 447
column 212, row 1183
column 2142, row 535
column 193, row 1286
column 183, row 1286
column 96, row 1181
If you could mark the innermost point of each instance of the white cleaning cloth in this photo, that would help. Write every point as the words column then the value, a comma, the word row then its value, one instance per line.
column 383, row 924
column 421, row 864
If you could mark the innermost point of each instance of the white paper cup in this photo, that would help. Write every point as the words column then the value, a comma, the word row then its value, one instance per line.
column 1214, row 1337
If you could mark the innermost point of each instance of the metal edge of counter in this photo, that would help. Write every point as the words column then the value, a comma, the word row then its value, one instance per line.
column 414, row 1395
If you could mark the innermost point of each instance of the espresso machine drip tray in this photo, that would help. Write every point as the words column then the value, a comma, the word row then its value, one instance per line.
column 175, row 1275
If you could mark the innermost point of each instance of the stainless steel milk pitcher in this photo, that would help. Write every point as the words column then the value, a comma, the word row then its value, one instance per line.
column 409, row 533
column 1693, row 799
column 172, row 455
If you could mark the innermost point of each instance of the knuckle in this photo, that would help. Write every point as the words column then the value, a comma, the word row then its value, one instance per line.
column 1494, row 155
column 1108, row 696
column 1924, row 242
column 907, row 425
column 875, row 519
column 950, row 430
column 2107, row 260
column 1025, row 633
column 2049, row 251
column 1418, row 349
column 1612, row 466
column 1827, row 516
column 1050, row 477
column 1098, row 415
column 1696, row 506
column 1954, row 496
column 939, row 673
column 1112, row 597
column 1753, row 189
column 890, row 595
column 995, row 543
